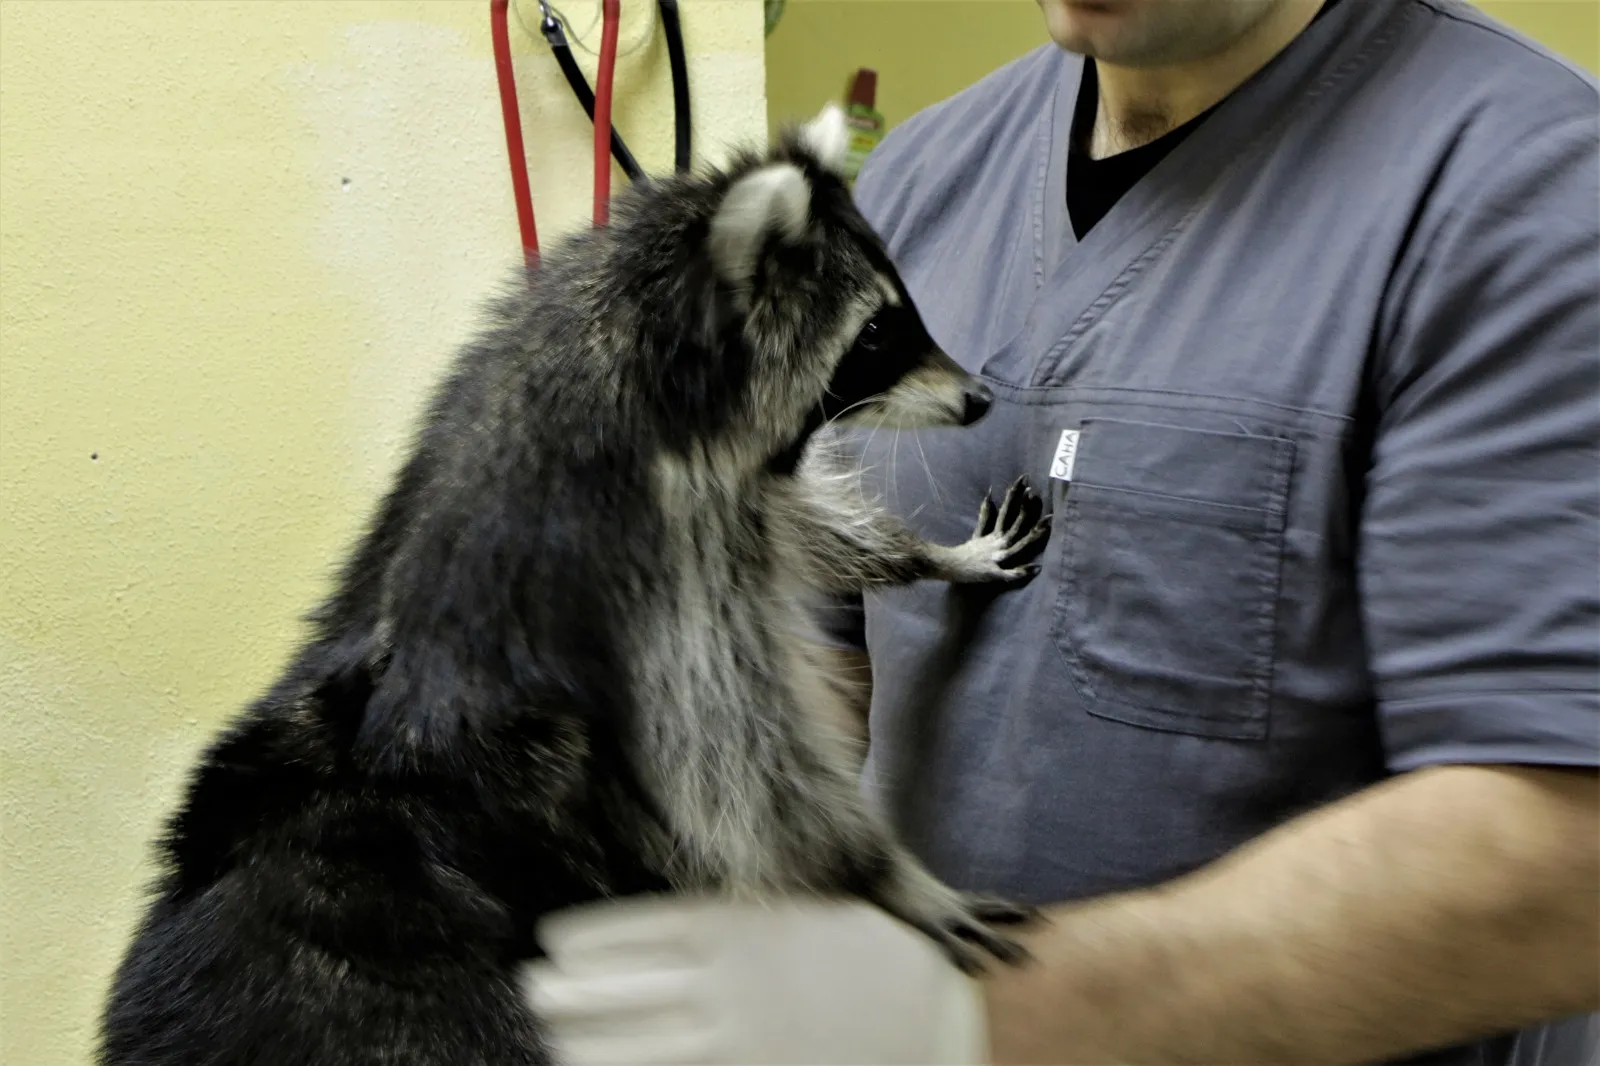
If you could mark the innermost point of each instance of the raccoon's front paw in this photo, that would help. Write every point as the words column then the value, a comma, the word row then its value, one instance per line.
column 1002, row 540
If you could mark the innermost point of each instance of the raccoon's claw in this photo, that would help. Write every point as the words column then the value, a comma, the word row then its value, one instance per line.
column 960, row 923
column 1020, row 497
column 986, row 516
column 966, row 936
column 1040, row 530
column 1018, row 522
column 1005, row 537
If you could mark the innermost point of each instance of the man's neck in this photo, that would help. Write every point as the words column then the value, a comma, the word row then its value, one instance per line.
column 1139, row 104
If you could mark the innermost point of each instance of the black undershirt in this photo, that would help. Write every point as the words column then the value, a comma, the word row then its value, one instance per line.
column 1095, row 185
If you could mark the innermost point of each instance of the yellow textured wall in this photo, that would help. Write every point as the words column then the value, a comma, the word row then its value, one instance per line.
column 927, row 50
column 237, row 240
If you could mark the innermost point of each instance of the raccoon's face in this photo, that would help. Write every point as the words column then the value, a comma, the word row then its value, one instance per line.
column 832, row 334
column 894, row 375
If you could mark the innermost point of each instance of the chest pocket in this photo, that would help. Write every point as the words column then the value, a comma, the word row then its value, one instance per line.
column 1169, row 573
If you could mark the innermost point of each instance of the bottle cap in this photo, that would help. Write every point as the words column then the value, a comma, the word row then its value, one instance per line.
column 864, row 88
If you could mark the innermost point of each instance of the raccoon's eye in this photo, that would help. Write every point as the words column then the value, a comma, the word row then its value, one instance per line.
column 872, row 335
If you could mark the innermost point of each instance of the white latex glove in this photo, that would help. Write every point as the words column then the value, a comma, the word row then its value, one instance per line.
column 714, row 981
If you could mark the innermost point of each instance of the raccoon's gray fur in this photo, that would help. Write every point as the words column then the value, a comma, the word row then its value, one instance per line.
column 568, row 659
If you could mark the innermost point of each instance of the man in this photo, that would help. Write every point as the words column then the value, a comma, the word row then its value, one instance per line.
column 1294, row 307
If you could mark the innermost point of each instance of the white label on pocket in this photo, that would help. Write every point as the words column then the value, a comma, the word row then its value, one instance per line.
column 1066, row 455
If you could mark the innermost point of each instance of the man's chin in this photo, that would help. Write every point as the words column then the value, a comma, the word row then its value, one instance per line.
column 1089, row 27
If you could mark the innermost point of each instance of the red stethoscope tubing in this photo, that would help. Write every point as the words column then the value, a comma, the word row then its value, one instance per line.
column 611, row 16
column 611, row 19
column 513, row 124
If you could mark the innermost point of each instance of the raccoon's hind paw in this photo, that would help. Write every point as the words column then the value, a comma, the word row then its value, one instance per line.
column 1005, row 539
column 966, row 935
column 960, row 923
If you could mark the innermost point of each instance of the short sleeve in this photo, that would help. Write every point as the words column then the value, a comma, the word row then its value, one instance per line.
column 1479, row 547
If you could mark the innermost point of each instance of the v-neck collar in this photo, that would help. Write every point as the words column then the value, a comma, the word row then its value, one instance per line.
column 1077, row 280
column 1092, row 178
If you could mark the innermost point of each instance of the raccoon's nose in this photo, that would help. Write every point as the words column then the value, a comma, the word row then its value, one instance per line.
column 978, row 398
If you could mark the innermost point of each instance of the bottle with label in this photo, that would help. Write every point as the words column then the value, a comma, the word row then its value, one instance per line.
column 866, row 124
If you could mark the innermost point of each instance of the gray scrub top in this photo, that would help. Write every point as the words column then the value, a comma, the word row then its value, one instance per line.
column 1333, row 368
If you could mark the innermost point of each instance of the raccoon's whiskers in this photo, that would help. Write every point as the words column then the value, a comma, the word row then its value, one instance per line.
column 933, row 482
column 894, row 472
column 858, row 404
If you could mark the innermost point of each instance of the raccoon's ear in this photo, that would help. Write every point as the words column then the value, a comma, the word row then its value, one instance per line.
column 827, row 136
column 772, row 202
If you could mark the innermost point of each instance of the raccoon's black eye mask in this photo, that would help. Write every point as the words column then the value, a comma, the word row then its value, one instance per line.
column 890, row 344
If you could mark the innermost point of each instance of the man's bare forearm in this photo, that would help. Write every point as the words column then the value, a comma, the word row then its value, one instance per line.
column 1441, row 906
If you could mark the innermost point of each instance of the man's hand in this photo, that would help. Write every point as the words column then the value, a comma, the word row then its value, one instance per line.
column 704, row 981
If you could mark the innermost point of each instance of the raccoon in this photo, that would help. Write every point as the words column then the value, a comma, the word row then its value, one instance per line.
column 569, row 658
